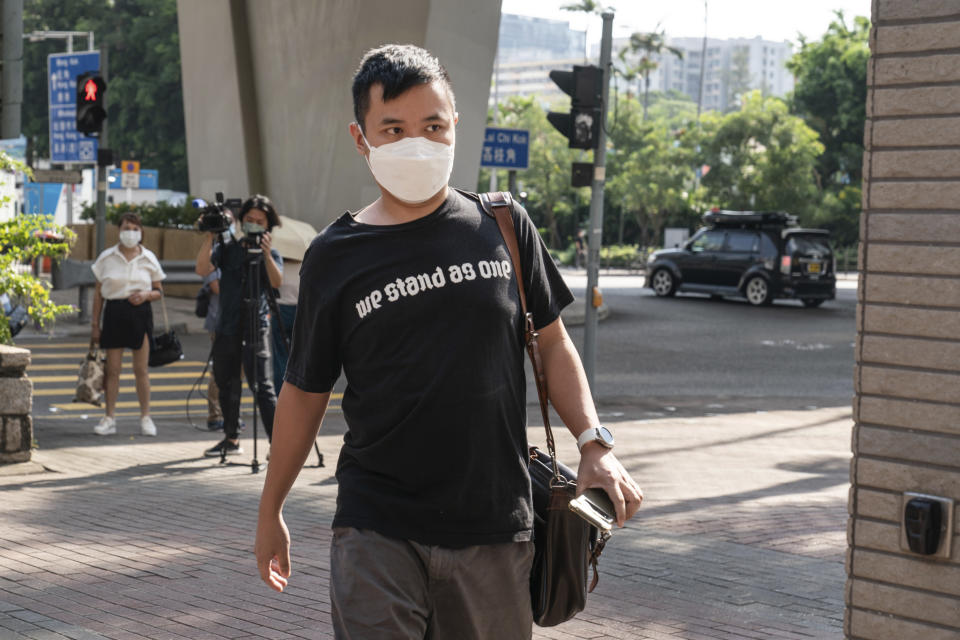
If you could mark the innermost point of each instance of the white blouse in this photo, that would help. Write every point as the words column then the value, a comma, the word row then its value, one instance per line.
column 119, row 278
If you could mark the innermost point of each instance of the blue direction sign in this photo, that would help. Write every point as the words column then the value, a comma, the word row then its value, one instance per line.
column 505, row 148
column 66, row 143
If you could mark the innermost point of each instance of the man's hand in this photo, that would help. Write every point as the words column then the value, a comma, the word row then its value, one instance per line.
column 265, row 242
column 600, row 468
column 272, row 549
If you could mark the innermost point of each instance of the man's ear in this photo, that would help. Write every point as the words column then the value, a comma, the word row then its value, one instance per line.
column 357, row 135
column 456, row 117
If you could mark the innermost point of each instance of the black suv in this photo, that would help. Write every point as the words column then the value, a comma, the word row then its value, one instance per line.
column 757, row 255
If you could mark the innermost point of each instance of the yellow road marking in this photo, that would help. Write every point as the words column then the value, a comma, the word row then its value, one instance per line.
column 54, row 345
column 161, row 375
column 69, row 391
column 93, row 412
column 133, row 404
column 74, row 363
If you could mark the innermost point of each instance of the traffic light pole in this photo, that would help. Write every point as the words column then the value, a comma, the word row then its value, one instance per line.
column 101, row 168
column 595, row 235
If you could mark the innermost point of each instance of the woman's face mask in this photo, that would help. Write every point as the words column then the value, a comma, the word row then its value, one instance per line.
column 412, row 169
column 253, row 227
column 130, row 237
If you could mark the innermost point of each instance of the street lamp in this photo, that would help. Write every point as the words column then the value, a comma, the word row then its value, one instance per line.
column 40, row 36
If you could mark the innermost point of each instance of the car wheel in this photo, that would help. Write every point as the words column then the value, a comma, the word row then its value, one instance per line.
column 663, row 283
column 757, row 291
column 812, row 302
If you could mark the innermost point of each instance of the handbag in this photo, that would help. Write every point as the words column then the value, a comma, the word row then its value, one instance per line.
column 90, row 377
column 565, row 545
column 164, row 348
column 202, row 306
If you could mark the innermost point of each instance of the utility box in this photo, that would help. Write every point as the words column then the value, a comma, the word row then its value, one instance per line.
column 926, row 525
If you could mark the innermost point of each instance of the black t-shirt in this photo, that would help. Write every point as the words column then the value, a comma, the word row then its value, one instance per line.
column 424, row 319
column 230, row 257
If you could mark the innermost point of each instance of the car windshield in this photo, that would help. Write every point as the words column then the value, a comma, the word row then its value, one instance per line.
column 808, row 244
column 708, row 240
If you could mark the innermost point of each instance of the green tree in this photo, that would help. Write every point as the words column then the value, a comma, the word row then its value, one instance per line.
column 650, row 47
column 830, row 94
column 738, row 77
column 551, row 202
column 24, row 239
column 650, row 170
column 144, row 93
column 761, row 157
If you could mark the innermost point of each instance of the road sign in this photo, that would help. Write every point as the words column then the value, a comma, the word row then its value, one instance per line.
column 149, row 179
column 130, row 166
column 57, row 175
column 66, row 143
column 505, row 148
column 130, row 180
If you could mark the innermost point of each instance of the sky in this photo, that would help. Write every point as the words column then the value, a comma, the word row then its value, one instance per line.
column 771, row 19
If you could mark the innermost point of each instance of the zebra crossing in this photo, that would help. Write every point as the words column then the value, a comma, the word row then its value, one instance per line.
column 176, row 390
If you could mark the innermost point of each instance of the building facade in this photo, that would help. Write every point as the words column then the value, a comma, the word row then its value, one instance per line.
column 733, row 67
column 529, row 48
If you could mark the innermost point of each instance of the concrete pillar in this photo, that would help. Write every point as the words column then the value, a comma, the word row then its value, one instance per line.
column 268, row 110
column 906, row 438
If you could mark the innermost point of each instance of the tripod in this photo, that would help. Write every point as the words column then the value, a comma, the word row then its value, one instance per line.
column 253, row 275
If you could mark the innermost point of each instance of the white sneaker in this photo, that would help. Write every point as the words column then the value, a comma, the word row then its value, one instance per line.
column 106, row 427
column 147, row 427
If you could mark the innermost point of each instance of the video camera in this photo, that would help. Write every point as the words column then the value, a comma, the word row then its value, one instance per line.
column 214, row 217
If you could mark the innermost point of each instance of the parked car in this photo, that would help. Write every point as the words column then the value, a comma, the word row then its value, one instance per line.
column 757, row 255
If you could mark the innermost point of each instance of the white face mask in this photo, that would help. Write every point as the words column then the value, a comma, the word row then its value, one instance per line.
column 412, row 169
column 130, row 237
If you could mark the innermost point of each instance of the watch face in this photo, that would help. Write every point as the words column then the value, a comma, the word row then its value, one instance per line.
column 604, row 436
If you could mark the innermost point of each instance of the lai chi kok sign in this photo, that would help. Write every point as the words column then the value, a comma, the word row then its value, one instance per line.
column 505, row 148
column 67, row 145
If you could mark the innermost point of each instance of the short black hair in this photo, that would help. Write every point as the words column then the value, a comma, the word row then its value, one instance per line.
column 396, row 67
column 130, row 216
column 263, row 203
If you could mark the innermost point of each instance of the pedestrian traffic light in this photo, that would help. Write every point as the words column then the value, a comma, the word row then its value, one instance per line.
column 90, row 105
column 584, row 85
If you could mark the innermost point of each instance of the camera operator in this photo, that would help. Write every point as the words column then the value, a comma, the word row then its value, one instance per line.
column 231, row 345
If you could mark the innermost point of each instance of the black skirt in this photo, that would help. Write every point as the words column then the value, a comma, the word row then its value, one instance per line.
column 125, row 325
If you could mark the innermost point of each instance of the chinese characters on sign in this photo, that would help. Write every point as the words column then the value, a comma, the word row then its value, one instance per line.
column 505, row 148
column 66, row 143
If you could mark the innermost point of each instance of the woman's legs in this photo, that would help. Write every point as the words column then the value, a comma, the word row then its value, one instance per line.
column 140, row 358
column 111, row 379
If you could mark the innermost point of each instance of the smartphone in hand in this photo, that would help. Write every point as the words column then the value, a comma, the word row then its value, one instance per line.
column 595, row 506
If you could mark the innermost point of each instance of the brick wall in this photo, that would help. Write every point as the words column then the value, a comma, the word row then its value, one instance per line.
column 907, row 379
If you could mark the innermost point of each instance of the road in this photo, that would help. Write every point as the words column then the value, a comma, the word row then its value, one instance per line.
column 692, row 354
column 657, row 357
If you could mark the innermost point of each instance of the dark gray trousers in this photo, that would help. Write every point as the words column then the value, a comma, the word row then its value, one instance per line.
column 393, row 589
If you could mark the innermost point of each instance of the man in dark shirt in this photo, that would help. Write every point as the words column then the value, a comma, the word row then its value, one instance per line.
column 236, row 343
column 413, row 299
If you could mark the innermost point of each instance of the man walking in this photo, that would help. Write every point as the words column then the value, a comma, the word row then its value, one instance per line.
column 413, row 299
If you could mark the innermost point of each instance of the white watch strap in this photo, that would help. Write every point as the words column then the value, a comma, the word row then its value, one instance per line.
column 587, row 436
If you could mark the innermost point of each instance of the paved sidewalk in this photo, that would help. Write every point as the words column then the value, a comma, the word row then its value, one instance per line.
column 742, row 535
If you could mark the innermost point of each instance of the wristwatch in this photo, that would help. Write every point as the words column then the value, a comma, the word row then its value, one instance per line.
column 600, row 434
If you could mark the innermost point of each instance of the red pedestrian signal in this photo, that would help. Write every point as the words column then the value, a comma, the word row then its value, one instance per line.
column 90, row 90
column 91, row 110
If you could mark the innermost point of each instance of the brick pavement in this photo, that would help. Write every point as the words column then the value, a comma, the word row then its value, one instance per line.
column 742, row 536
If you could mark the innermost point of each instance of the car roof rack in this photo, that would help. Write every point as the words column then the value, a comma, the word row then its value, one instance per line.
column 723, row 218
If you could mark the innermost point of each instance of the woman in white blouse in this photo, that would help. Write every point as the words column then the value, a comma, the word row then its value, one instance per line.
column 128, row 278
